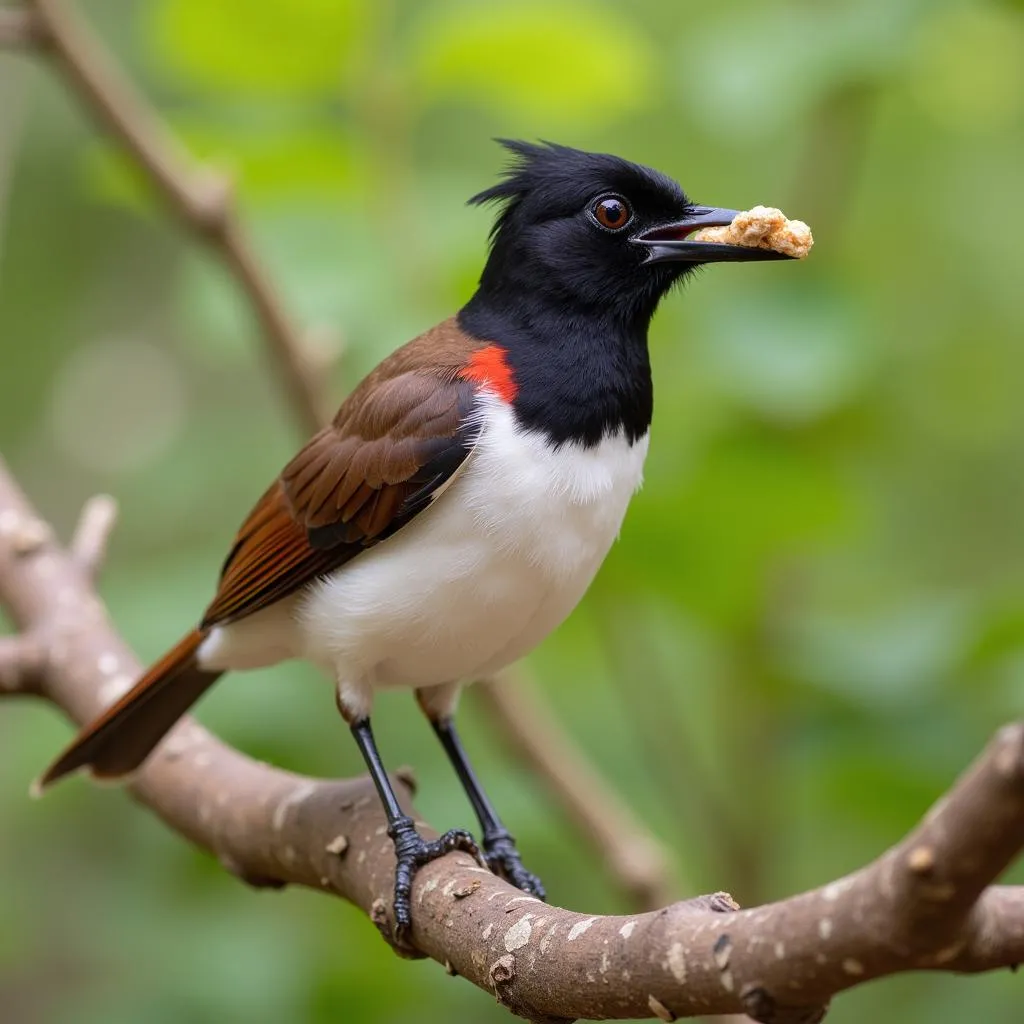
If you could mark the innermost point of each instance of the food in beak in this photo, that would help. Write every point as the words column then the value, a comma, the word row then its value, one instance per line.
column 763, row 227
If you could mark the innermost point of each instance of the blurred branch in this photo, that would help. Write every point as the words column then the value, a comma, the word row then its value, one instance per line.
column 643, row 689
column 926, row 904
column 202, row 197
column 203, row 200
column 636, row 859
column 14, row 89
column 19, row 28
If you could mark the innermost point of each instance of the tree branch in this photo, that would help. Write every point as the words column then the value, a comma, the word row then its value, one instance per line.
column 922, row 905
column 202, row 197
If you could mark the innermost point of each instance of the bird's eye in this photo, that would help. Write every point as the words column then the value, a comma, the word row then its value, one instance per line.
column 612, row 212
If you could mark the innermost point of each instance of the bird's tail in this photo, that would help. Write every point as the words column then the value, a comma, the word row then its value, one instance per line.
column 119, row 740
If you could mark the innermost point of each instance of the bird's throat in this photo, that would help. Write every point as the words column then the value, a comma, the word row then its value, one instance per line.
column 577, row 377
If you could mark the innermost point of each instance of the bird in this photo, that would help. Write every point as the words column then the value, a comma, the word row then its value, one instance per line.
column 460, row 503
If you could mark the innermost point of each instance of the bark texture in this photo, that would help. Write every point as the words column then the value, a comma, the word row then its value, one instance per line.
column 925, row 904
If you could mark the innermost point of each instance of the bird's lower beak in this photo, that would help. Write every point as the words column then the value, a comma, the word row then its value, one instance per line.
column 669, row 242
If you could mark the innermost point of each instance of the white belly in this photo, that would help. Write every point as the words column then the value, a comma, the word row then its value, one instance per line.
column 474, row 582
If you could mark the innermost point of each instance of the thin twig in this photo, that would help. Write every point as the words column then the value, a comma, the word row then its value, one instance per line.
column 202, row 198
column 635, row 859
column 89, row 542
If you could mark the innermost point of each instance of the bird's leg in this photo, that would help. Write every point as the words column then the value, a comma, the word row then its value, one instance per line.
column 412, row 851
column 499, row 847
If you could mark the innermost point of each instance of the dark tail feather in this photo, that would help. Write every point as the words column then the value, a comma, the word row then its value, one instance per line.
column 122, row 737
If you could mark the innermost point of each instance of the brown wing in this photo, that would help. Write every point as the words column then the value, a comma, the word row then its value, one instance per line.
column 398, row 438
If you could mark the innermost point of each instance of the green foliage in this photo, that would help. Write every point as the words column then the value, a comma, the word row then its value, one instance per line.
column 764, row 65
column 581, row 63
column 253, row 47
column 815, row 615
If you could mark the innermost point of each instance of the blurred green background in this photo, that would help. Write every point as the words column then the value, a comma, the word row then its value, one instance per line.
column 815, row 615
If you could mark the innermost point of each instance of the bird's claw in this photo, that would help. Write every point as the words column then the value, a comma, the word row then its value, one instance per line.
column 412, row 851
column 503, row 859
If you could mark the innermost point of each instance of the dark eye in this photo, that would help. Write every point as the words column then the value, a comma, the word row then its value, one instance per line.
column 612, row 212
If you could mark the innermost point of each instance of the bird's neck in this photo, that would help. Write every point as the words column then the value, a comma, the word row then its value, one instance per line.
column 581, row 375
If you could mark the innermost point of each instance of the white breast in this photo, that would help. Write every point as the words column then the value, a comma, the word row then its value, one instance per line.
column 476, row 580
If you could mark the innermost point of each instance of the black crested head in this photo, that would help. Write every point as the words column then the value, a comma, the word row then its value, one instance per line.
column 584, row 247
column 567, row 229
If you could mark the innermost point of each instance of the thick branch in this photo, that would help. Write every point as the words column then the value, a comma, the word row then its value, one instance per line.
column 917, row 907
column 201, row 197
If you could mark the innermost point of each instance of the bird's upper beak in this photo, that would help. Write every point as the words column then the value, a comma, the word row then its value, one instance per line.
column 669, row 241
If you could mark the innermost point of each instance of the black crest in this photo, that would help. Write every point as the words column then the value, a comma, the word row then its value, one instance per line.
column 546, row 180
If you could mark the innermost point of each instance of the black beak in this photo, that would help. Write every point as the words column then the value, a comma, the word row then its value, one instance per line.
column 669, row 241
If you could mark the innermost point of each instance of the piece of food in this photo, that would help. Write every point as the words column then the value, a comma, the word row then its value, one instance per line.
column 763, row 227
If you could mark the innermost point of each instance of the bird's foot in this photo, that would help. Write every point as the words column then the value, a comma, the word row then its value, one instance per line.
column 503, row 859
column 412, row 851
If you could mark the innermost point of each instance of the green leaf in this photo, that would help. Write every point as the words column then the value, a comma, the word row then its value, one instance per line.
column 759, row 68
column 248, row 46
column 895, row 656
column 113, row 177
column 544, row 62
column 968, row 69
column 791, row 354
column 716, row 539
column 312, row 161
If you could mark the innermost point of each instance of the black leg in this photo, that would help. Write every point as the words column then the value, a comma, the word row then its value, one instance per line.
column 412, row 851
column 499, row 847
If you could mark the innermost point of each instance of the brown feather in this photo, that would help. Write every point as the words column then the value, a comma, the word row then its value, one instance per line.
column 400, row 435
column 347, row 487
column 119, row 740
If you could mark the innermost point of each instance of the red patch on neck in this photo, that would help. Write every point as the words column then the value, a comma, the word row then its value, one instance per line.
column 489, row 366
